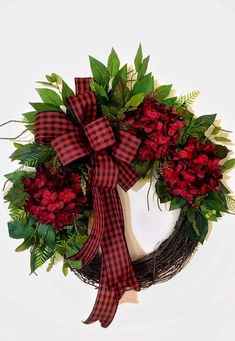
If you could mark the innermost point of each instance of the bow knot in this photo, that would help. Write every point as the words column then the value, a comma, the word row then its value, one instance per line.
column 100, row 134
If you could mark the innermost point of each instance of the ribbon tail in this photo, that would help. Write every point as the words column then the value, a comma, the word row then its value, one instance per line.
column 91, row 247
column 127, row 175
column 117, row 273
column 106, row 304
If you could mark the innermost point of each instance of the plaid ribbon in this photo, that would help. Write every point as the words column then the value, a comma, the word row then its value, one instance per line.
column 110, row 164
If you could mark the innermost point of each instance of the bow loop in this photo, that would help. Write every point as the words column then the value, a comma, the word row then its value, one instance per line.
column 70, row 147
column 100, row 134
column 82, row 85
column 50, row 124
column 83, row 106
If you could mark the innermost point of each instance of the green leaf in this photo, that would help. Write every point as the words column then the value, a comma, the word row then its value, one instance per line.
column 53, row 78
column 50, row 79
column 19, row 229
column 215, row 131
column 221, row 139
column 49, row 85
column 65, row 269
column 216, row 205
column 98, row 89
column 16, row 195
column 120, row 95
column 49, row 96
column 228, row 164
column 135, row 100
column 51, row 262
column 29, row 117
column 39, row 107
column 123, row 72
column 162, row 191
column 191, row 212
column 143, row 68
column 190, row 230
column 204, row 122
column 72, row 251
column 221, row 151
column 99, row 71
column 121, row 76
column 76, row 264
column 199, row 125
column 66, row 92
column 47, row 233
column 50, row 238
column 169, row 101
column 25, row 245
column 18, row 175
column 144, row 85
column 113, row 63
column 30, row 127
column 17, row 145
column 224, row 189
column 163, row 91
column 202, row 225
column 186, row 115
column 42, row 230
column 141, row 167
column 138, row 58
column 176, row 203
column 218, row 197
column 16, row 229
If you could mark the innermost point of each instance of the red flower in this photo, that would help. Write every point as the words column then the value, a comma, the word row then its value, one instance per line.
column 54, row 199
column 201, row 159
column 194, row 170
column 39, row 181
column 158, row 126
column 67, row 195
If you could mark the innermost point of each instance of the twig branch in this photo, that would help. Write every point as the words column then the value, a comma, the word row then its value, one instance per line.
column 11, row 121
column 13, row 138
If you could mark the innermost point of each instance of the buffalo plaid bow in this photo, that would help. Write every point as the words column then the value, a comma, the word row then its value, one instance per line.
column 110, row 160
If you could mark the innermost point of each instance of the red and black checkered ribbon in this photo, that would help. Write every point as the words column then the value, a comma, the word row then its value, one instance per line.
column 110, row 159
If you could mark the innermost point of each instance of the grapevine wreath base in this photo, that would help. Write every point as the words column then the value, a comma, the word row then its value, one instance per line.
column 117, row 128
column 156, row 267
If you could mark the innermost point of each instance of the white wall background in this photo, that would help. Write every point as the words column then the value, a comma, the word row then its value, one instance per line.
column 192, row 46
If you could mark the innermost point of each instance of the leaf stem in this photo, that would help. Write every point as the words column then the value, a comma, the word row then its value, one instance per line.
column 227, row 131
column 150, row 185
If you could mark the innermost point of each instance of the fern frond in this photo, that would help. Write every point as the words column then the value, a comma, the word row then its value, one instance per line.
column 39, row 255
column 18, row 214
column 40, row 156
column 186, row 100
column 32, row 154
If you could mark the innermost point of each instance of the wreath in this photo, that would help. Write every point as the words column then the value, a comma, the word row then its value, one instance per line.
column 117, row 128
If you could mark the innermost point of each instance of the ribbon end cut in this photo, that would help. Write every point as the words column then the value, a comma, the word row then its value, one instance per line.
column 104, row 324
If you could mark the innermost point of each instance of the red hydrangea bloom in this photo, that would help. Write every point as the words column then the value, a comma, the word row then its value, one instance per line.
column 54, row 199
column 194, row 170
column 158, row 126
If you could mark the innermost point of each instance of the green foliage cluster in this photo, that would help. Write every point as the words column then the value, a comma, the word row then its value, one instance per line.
column 118, row 89
column 45, row 243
